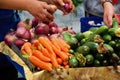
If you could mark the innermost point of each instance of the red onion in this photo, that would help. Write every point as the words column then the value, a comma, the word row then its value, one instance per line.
column 53, row 24
column 32, row 33
column 66, row 6
column 9, row 38
column 53, row 30
column 34, row 22
column 55, row 36
column 42, row 28
column 21, row 23
column 19, row 42
column 27, row 35
column 20, row 31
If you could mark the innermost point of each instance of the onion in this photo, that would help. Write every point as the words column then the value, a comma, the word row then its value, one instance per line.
column 34, row 22
column 53, row 30
column 27, row 35
column 9, row 38
column 55, row 36
column 20, row 31
column 19, row 42
column 42, row 28
column 21, row 23
column 66, row 6
column 70, row 30
column 53, row 24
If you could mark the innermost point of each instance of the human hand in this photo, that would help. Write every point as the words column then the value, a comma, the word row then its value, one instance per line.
column 41, row 10
column 109, row 13
column 61, row 4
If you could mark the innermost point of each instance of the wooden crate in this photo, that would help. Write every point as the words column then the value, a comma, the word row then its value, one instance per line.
column 87, row 73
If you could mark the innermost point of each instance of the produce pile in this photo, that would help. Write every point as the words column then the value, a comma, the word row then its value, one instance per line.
column 49, row 46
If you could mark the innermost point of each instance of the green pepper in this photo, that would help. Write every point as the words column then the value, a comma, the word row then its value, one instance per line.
column 69, row 38
column 75, row 3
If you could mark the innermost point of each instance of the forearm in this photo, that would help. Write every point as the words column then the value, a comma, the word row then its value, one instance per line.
column 14, row 4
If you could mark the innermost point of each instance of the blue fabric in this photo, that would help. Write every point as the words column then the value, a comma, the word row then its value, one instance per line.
column 9, row 69
column 8, row 20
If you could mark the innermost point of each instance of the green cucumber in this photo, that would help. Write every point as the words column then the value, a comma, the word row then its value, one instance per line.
column 102, row 29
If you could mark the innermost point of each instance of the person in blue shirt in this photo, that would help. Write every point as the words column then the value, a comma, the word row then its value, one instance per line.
column 41, row 9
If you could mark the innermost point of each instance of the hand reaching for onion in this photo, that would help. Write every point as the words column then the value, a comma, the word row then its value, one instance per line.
column 42, row 11
column 66, row 6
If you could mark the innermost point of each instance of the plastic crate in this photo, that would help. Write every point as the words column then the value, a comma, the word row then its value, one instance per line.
column 86, row 26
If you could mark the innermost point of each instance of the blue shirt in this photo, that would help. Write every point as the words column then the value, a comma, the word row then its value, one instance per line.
column 8, row 20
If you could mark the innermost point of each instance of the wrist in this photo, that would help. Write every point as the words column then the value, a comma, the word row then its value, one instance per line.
column 105, row 1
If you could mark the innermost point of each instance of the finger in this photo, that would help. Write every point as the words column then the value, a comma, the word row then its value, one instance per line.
column 52, row 9
column 60, row 2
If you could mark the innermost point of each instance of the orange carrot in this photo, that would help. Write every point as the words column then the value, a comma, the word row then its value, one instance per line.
column 62, row 46
column 65, row 62
column 59, row 60
column 61, row 41
column 54, row 61
column 45, row 52
column 46, row 43
column 41, row 64
column 27, row 48
column 55, row 43
column 39, row 55
column 67, row 66
column 60, row 53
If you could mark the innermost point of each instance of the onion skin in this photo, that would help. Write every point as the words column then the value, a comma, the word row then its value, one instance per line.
column 9, row 38
column 27, row 35
column 21, row 23
column 55, row 36
column 52, row 24
column 20, row 31
column 19, row 42
column 42, row 28
column 34, row 22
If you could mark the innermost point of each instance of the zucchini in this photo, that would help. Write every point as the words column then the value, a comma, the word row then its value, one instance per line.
column 83, row 50
column 102, row 30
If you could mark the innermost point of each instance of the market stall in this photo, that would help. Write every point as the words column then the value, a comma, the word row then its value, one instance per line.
column 61, row 51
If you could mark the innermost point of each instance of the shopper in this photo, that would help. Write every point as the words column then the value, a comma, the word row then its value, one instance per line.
column 106, row 10
column 39, row 9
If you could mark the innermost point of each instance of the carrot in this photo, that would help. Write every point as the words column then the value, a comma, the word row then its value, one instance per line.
column 54, row 61
column 61, row 41
column 65, row 62
column 27, row 48
column 59, row 60
column 39, row 55
column 62, row 46
column 55, row 43
column 45, row 52
column 60, row 53
column 41, row 64
column 47, row 44
column 67, row 66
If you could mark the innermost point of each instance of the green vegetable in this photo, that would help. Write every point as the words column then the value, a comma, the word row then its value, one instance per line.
column 93, row 46
column 73, row 62
column 97, row 63
column 93, row 29
column 101, row 30
column 104, row 62
column 83, row 50
column 99, row 56
column 79, row 36
column 112, row 43
column 107, row 37
column 81, row 59
column 69, row 38
column 75, row 2
column 89, row 59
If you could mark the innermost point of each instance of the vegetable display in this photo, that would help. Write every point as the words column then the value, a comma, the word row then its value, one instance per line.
column 49, row 46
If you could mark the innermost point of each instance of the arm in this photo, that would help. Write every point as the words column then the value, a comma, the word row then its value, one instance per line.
column 60, row 4
column 109, row 12
column 41, row 10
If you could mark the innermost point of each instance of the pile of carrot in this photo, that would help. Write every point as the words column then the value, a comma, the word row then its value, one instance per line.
column 47, row 54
